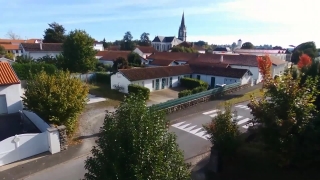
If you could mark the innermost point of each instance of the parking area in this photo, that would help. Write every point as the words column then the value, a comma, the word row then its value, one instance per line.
column 163, row 95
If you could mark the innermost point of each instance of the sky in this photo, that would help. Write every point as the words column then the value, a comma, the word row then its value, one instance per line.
column 272, row 22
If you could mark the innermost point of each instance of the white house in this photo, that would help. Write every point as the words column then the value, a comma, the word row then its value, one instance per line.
column 108, row 57
column 38, row 50
column 222, row 50
column 281, row 54
column 178, row 57
column 144, row 51
column 156, row 78
column 162, row 43
column 98, row 46
column 10, row 90
column 12, row 45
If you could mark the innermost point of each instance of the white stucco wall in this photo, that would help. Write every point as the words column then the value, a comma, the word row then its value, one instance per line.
column 106, row 62
column 218, row 79
column 37, row 55
column 256, row 75
column 98, row 47
column 278, row 70
column 144, row 55
column 119, row 79
column 12, row 93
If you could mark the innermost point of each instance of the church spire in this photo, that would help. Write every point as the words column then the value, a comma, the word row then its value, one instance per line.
column 182, row 34
column 182, row 21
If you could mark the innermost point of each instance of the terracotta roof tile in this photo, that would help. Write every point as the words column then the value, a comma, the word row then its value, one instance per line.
column 18, row 41
column 242, row 60
column 45, row 46
column 173, row 56
column 7, row 74
column 161, row 62
column 112, row 55
column 147, row 49
column 155, row 72
column 114, row 48
column 10, row 46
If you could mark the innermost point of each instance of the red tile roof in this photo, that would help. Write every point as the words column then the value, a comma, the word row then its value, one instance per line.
column 175, row 56
column 161, row 62
column 114, row 48
column 112, row 55
column 147, row 49
column 7, row 74
column 45, row 46
column 17, row 41
column 10, row 46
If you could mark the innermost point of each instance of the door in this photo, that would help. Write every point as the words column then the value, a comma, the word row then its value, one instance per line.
column 213, row 82
column 163, row 83
column 157, row 84
column 3, row 104
column 198, row 77
column 170, row 83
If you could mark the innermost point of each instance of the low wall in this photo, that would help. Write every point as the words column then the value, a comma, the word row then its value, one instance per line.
column 36, row 120
column 210, row 97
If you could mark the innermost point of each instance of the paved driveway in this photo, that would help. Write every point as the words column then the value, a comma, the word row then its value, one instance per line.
column 163, row 95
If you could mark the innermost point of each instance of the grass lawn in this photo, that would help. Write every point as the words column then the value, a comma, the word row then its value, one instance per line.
column 252, row 163
column 246, row 97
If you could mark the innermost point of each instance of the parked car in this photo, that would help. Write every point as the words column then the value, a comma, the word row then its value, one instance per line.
column 219, row 85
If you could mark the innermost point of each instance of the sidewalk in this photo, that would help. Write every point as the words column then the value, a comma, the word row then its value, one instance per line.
column 39, row 164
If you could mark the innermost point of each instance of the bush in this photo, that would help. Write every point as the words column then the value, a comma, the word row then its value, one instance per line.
column 184, row 93
column 26, row 70
column 145, row 92
column 199, row 89
column 103, row 78
column 58, row 99
column 191, row 83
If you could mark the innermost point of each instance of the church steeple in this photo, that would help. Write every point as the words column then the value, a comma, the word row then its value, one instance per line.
column 182, row 34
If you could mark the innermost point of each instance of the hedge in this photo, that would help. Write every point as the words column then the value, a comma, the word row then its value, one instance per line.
column 26, row 70
column 184, row 93
column 199, row 89
column 103, row 78
column 133, row 88
column 191, row 83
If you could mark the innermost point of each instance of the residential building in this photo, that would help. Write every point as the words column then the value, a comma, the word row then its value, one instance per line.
column 98, row 46
column 222, row 50
column 178, row 57
column 144, row 51
column 12, row 45
column 10, row 90
column 38, row 50
column 108, row 57
column 157, row 78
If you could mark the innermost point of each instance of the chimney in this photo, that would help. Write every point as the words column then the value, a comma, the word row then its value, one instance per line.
column 40, row 44
column 221, row 58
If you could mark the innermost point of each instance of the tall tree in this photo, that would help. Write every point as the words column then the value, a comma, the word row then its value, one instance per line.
column 134, row 58
column 105, row 44
column 79, row 56
column 135, row 144
column 144, row 39
column 54, row 34
column 247, row 45
column 201, row 43
column 12, row 35
column 120, row 63
column 127, row 43
column 2, row 51
column 308, row 48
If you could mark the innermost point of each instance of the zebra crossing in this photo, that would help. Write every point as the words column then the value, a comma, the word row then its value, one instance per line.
column 187, row 127
column 242, row 107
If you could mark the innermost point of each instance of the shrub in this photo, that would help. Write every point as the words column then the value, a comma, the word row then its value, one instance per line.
column 199, row 89
column 103, row 78
column 26, row 70
column 184, row 93
column 191, row 83
column 224, row 134
column 58, row 99
column 145, row 92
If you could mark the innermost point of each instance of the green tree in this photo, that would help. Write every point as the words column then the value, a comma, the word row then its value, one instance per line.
column 9, row 55
column 127, row 44
column 144, row 39
column 224, row 134
column 120, row 63
column 308, row 48
column 105, row 44
column 54, row 34
column 201, row 43
column 79, row 56
column 134, row 58
column 247, row 45
column 135, row 144
column 47, row 59
column 2, row 51
column 183, row 49
column 57, row 99
column 25, row 59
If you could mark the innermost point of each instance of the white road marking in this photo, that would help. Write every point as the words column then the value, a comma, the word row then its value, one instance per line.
column 240, row 106
column 184, row 127
column 178, row 124
column 210, row 112
column 243, row 121
column 195, row 131
column 213, row 115
column 189, row 128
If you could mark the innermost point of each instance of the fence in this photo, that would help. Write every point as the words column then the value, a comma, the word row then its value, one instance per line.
column 187, row 101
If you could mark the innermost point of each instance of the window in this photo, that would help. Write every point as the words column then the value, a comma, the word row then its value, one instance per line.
column 190, row 75
column 167, row 83
column 152, row 83
column 198, row 77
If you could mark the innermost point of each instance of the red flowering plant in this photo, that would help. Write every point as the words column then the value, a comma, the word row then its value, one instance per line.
column 264, row 65
column 304, row 61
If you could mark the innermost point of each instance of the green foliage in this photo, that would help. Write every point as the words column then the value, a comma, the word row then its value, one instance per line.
column 183, row 93
column 135, row 144
column 224, row 133
column 183, row 49
column 136, row 89
column 191, row 83
column 308, row 48
column 79, row 56
column 54, row 34
column 100, row 67
column 25, row 59
column 25, row 70
column 144, row 39
column 134, row 58
column 127, row 44
column 199, row 89
column 288, row 122
column 103, row 78
column 2, row 51
column 120, row 63
column 247, row 45
column 57, row 99
column 9, row 55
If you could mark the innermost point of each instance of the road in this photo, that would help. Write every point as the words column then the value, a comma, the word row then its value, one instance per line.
column 191, row 137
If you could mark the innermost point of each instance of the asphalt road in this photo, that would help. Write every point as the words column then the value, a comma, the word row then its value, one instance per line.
column 191, row 138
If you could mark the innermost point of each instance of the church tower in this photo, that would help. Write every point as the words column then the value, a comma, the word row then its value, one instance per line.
column 182, row 34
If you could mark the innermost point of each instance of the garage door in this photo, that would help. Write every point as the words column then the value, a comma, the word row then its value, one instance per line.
column 3, row 104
